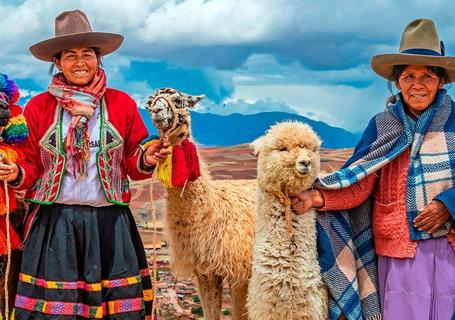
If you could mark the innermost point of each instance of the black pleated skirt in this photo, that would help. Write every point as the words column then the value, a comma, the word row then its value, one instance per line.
column 84, row 262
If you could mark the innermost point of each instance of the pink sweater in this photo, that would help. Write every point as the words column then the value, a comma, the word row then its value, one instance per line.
column 390, row 223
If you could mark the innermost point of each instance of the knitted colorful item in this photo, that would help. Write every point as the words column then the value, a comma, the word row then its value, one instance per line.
column 16, row 129
column 12, row 134
column 180, row 166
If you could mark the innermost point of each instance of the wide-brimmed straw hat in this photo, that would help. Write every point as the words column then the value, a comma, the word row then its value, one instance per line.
column 420, row 45
column 73, row 30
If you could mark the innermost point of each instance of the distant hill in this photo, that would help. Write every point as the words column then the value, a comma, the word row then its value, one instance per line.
column 215, row 130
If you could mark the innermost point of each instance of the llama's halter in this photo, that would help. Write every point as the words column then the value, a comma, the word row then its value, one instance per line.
column 165, row 134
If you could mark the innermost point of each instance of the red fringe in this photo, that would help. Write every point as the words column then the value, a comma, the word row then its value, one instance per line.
column 15, row 240
column 191, row 159
column 180, row 171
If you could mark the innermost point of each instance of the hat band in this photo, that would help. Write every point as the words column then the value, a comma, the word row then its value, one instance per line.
column 426, row 52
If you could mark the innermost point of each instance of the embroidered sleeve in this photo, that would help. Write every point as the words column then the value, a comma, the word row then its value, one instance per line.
column 136, row 132
column 30, row 148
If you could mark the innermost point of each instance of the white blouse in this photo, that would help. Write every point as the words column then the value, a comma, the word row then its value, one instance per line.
column 88, row 190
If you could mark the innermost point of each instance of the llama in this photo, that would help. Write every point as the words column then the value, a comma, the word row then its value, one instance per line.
column 286, row 282
column 210, row 223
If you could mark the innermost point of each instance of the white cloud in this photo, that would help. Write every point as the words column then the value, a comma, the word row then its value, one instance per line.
column 274, row 40
column 198, row 22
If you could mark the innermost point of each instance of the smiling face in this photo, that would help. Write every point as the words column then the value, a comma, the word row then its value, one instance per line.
column 79, row 65
column 418, row 86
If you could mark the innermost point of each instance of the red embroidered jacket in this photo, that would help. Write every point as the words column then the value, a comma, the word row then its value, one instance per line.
column 390, row 223
column 122, row 129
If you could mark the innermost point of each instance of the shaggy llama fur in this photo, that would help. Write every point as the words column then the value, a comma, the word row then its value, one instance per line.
column 210, row 223
column 286, row 281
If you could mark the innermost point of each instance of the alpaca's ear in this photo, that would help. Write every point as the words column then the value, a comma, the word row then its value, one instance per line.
column 256, row 145
column 193, row 100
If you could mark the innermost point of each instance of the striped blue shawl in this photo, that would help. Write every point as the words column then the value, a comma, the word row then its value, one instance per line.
column 345, row 239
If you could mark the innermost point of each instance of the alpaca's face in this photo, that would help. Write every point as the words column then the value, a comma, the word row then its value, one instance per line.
column 288, row 157
column 168, row 106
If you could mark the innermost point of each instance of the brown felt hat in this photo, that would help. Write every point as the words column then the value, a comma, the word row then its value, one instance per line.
column 73, row 30
column 420, row 45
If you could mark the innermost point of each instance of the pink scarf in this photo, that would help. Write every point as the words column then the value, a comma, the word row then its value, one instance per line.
column 81, row 103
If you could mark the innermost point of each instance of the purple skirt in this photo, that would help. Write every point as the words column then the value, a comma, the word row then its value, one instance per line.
column 422, row 287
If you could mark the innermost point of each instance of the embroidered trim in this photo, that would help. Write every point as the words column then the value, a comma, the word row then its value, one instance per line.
column 80, row 309
column 81, row 285
column 109, row 158
column 61, row 308
column 144, row 272
column 54, row 162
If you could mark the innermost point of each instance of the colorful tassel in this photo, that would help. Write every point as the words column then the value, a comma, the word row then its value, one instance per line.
column 164, row 172
column 191, row 159
column 15, row 131
column 9, row 87
column 180, row 166
column 180, row 172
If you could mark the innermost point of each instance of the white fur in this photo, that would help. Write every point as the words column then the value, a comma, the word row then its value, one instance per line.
column 285, row 285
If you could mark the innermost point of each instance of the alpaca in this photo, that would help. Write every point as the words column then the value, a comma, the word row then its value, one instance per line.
column 210, row 223
column 286, row 282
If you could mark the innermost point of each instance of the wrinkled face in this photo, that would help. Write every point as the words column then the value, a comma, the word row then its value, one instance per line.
column 289, row 157
column 418, row 86
column 79, row 65
column 168, row 105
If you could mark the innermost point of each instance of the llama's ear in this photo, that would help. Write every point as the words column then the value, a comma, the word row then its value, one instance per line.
column 256, row 145
column 193, row 100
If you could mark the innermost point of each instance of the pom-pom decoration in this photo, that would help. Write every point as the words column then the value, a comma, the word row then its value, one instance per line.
column 180, row 166
column 16, row 129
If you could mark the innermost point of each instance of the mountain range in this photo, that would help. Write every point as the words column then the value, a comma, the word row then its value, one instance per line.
column 215, row 130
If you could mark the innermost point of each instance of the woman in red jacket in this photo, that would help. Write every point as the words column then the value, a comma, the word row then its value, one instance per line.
column 404, row 164
column 83, row 257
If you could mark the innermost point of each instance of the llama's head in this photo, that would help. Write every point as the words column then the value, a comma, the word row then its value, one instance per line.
column 169, row 110
column 288, row 157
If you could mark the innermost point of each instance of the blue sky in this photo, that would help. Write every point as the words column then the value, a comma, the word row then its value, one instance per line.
column 306, row 57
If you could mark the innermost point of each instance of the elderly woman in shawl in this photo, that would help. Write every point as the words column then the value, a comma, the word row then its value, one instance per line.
column 83, row 256
column 398, row 188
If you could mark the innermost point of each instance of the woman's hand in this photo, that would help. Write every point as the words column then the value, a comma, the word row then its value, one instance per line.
column 8, row 170
column 307, row 200
column 432, row 217
column 156, row 153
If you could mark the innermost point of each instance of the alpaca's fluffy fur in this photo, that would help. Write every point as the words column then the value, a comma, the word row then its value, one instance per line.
column 210, row 224
column 286, row 285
